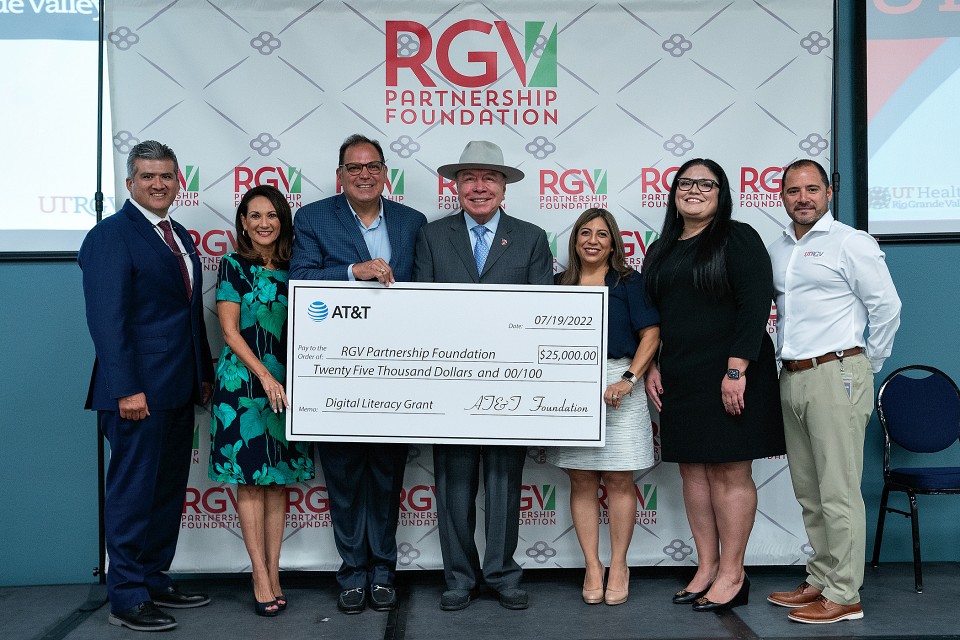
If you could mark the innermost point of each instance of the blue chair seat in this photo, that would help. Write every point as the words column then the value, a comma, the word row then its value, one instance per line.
column 927, row 478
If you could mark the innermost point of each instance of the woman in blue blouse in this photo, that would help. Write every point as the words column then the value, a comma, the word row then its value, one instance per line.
column 597, row 259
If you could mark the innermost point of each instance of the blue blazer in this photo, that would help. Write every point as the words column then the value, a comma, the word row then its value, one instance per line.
column 519, row 253
column 327, row 239
column 148, row 336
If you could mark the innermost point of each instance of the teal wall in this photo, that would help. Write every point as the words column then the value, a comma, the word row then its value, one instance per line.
column 48, row 505
column 48, row 443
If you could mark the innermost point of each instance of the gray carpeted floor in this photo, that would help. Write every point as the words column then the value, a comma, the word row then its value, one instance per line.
column 892, row 610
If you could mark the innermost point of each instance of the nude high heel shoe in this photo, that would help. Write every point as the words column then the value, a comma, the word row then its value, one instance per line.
column 592, row 596
column 614, row 597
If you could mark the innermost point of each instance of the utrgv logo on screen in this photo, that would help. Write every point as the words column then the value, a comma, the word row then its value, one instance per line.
column 410, row 45
column 318, row 311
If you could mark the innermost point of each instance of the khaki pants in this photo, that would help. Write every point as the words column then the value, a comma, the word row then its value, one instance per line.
column 825, row 415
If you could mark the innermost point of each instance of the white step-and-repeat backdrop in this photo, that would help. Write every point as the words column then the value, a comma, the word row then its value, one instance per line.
column 597, row 102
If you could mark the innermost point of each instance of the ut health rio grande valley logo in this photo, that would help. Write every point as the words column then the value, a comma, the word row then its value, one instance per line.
column 469, row 55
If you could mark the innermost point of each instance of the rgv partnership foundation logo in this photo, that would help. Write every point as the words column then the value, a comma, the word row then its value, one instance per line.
column 469, row 55
column 760, row 187
column 655, row 186
column 447, row 199
column 286, row 179
column 212, row 245
column 538, row 504
column 646, row 513
column 635, row 244
column 216, row 508
column 418, row 506
column 189, row 178
column 573, row 189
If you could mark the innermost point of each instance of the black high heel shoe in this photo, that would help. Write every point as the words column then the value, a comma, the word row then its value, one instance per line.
column 261, row 607
column 689, row 597
column 262, row 610
column 702, row 604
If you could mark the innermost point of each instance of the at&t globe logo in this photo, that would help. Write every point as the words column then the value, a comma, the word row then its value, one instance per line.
column 318, row 311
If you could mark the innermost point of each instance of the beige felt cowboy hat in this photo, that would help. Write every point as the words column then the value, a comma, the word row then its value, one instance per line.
column 480, row 154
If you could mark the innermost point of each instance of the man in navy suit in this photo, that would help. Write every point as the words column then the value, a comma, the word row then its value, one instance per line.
column 359, row 235
column 481, row 244
column 142, row 283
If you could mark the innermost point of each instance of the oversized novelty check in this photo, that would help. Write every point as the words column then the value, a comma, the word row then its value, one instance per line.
column 450, row 363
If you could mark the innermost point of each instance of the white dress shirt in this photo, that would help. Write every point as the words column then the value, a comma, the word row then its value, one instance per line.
column 830, row 285
column 154, row 219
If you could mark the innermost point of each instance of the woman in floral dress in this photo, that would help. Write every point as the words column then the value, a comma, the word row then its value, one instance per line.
column 248, row 445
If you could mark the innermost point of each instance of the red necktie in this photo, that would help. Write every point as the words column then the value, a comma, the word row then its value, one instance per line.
column 168, row 238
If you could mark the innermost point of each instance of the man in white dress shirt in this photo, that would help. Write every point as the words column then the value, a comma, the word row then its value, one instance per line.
column 831, row 283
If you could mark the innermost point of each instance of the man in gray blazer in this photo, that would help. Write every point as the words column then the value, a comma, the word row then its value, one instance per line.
column 480, row 243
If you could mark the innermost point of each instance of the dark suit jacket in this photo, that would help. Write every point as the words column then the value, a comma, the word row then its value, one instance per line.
column 328, row 240
column 519, row 253
column 148, row 336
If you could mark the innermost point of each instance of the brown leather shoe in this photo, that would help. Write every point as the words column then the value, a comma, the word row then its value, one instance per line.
column 824, row 611
column 799, row 597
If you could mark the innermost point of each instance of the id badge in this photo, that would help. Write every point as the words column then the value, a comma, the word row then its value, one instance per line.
column 847, row 378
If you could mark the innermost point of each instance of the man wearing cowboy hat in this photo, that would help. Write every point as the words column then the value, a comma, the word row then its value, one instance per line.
column 359, row 235
column 480, row 243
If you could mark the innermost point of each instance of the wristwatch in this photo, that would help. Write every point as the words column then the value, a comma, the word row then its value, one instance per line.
column 735, row 374
column 629, row 377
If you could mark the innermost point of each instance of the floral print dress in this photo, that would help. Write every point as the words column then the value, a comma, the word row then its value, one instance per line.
column 248, row 444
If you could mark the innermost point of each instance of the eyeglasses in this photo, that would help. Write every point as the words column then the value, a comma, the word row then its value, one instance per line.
column 355, row 168
column 704, row 184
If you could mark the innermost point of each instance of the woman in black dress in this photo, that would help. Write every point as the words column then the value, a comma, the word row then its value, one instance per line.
column 716, row 385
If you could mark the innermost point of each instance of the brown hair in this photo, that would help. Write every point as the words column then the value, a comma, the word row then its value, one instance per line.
column 283, row 247
column 616, row 258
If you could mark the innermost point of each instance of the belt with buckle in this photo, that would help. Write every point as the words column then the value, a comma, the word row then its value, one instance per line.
column 810, row 363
